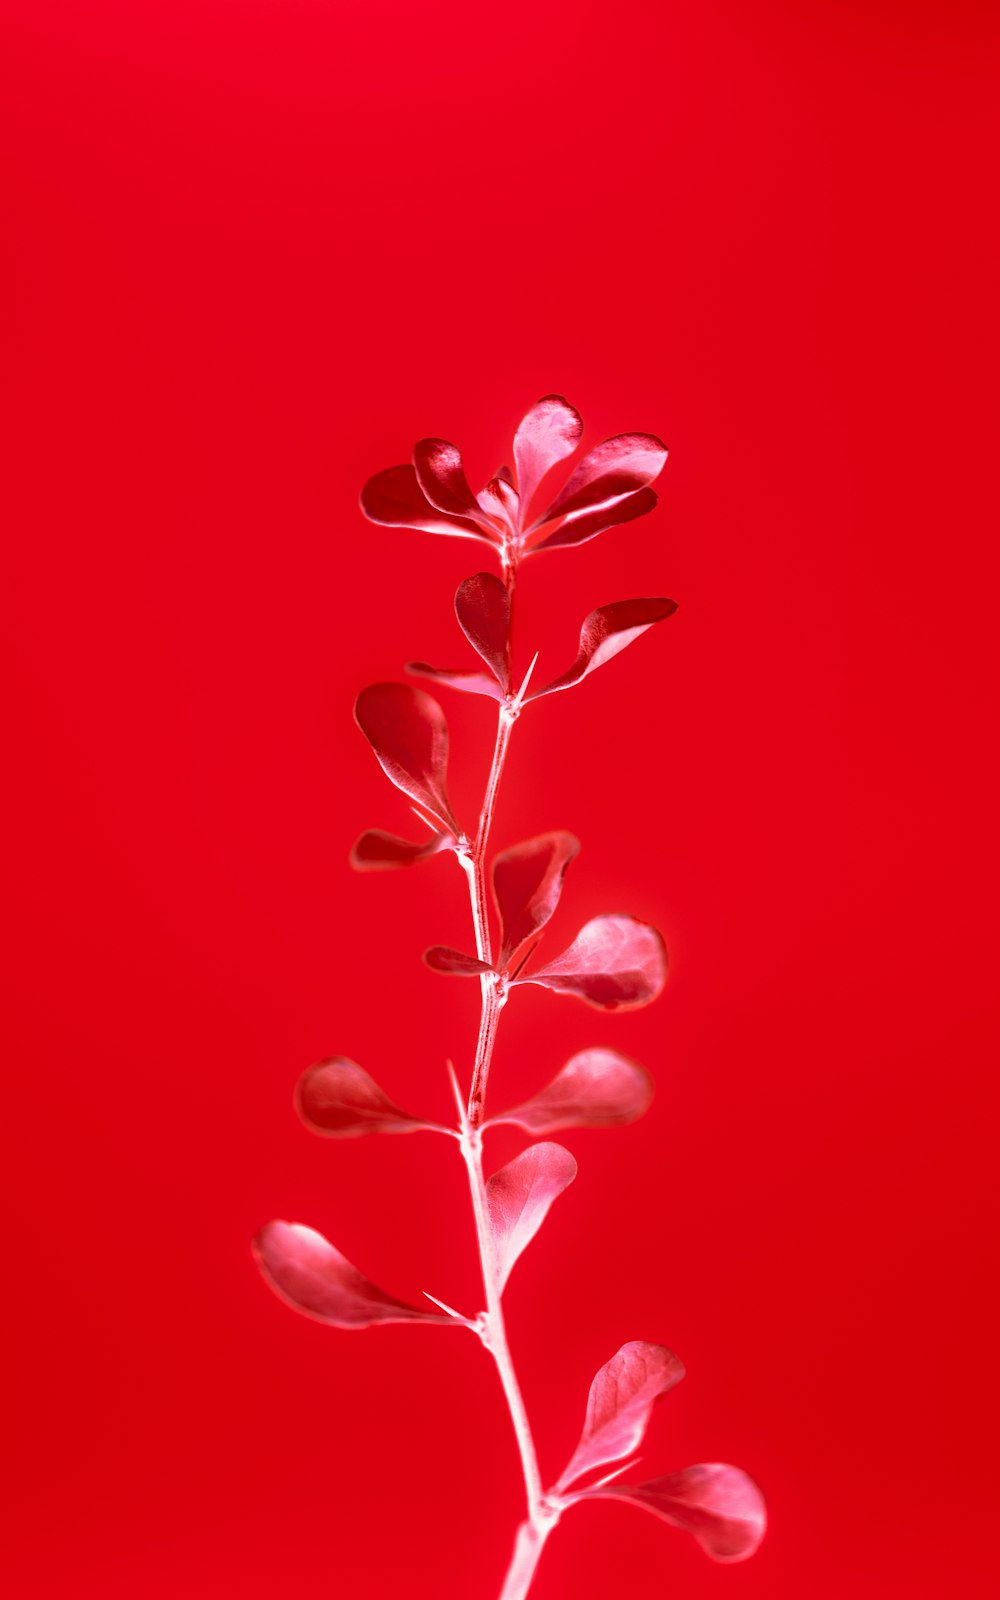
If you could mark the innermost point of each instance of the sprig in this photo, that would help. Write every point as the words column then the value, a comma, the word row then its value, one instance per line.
column 615, row 963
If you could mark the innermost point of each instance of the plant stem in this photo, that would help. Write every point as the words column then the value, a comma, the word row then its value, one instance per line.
column 476, row 868
column 495, row 1337
column 534, row 1531
column 528, row 1546
column 505, row 723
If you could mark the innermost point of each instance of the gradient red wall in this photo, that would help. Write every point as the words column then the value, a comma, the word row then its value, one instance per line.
column 256, row 250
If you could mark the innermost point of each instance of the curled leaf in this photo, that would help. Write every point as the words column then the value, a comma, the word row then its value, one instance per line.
column 408, row 733
column 441, row 476
column 394, row 499
column 615, row 963
column 340, row 1099
column 595, row 1089
column 527, row 882
column 455, row 963
column 519, row 1197
column 621, row 1398
column 500, row 500
column 378, row 851
column 609, row 473
column 720, row 1505
column 606, row 632
column 482, row 606
column 459, row 678
column 550, row 432
column 577, row 530
column 310, row 1275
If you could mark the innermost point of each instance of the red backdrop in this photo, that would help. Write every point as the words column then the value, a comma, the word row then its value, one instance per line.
column 257, row 251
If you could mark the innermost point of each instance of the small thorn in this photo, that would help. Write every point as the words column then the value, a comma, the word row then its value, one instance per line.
column 512, row 976
column 442, row 1306
column 609, row 1477
column 457, row 1092
column 519, row 697
column 427, row 823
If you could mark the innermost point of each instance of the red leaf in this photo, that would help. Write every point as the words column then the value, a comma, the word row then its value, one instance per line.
column 550, row 432
column 408, row 733
column 527, row 882
column 341, row 1099
column 614, row 963
column 394, row 499
column 609, row 473
column 441, row 476
column 454, row 963
column 621, row 1398
column 718, row 1504
column 577, row 530
column 482, row 606
column 519, row 1197
column 500, row 500
column 378, row 851
column 458, row 678
column 595, row 1089
column 307, row 1273
column 606, row 632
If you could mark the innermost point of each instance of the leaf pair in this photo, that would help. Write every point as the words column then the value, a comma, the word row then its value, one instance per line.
column 720, row 1505
column 408, row 733
column 608, row 486
column 615, row 963
column 482, row 605
column 309, row 1274
column 595, row 1089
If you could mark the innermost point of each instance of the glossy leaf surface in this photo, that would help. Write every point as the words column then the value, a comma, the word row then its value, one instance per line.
column 455, row 963
column 621, row 1398
column 500, row 501
column 720, row 1505
column 442, row 479
column 307, row 1272
column 407, row 731
column 378, row 851
column 340, row 1099
column 519, row 1197
column 605, row 633
column 395, row 499
column 469, row 682
column 577, row 530
column 595, row 1089
column 614, row 963
column 482, row 606
column 609, row 473
column 549, row 432
column 527, row 882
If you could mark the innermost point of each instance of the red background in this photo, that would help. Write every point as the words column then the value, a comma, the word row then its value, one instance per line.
column 257, row 250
